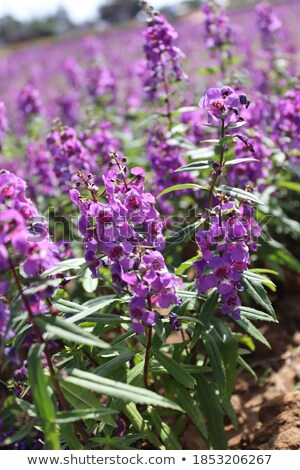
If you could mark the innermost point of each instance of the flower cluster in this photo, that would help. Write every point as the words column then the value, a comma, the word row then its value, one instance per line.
column 162, row 56
column 125, row 234
column 165, row 157
column 217, row 28
column 29, row 102
column 225, row 249
column 68, row 154
column 268, row 24
column 101, row 142
column 24, row 240
column 287, row 123
column 39, row 167
column 251, row 172
column 3, row 123
column 100, row 83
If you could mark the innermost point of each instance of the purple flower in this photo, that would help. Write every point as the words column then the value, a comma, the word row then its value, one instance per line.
column 268, row 23
column 3, row 123
column 225, row 249
column 29, row 101
column 162, row 56
column 121, row 228
column 220, row 103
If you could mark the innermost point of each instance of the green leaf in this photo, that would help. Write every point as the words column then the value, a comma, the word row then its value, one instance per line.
column 210, row 406
column 88, row 283
column 235, row 125
column 175, row 369
column 63, row 417
column 238, row 193
column 66, row 306
column 67, row 432
column 18, row 435
column 195, row 166
column 246, row 366
column 142, row 426
column 208, row 70
column 83, row 399
column 57, row 327
column 113, row 364
column 228, row 347
column 66, row 265
column 164, row 431
column 97, row 305
column 256, row 277
column 186, row 265
column 236, row 161
column 216, row 362
column 186, row 109
column 116, row 389
column 179, row 187
column 189, row 405
column 259, row 295
column 291, row 185
column 253, row 331
column 253, row 314
column 209, row 306
column 41, row 399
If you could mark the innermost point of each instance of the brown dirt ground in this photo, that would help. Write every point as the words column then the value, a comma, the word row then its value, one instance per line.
column 268, row 409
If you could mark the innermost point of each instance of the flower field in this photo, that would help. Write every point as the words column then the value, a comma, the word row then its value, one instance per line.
column 149, row 233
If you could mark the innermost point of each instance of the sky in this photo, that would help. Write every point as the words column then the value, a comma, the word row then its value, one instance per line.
column 78, row 10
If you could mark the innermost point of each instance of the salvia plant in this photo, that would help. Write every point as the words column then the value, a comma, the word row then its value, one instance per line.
column 148, row 198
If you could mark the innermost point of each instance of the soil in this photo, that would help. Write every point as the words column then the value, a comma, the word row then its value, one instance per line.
column 268, row 409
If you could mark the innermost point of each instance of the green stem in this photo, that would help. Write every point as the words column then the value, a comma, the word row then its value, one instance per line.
column 167, row 98
column 217, row 174
column 147, row 356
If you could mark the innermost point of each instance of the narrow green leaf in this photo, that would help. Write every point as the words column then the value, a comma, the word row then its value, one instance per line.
column 164, row 431
column 43, row 403
column 113, row 364
column 63, row 417
column 186, row 265
column 18, row 435
column 189, row 405
column 142, row 426
column 259, row 295
column 175, row 369
column 66, row 265
column 179, row 187
column 253, row 331
column 228, row 348
column 67, row 432
column 209, row 306
column 237, row 161
column 210, row 406
column 83, row 399
column 291, row 185
column 238, row 193
column 101, row 303
column 246, row 366
column 253, row 314
column 116, row 389
column 194, row 166
column 217, row 363
column 57, row 327
column 235, row 125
